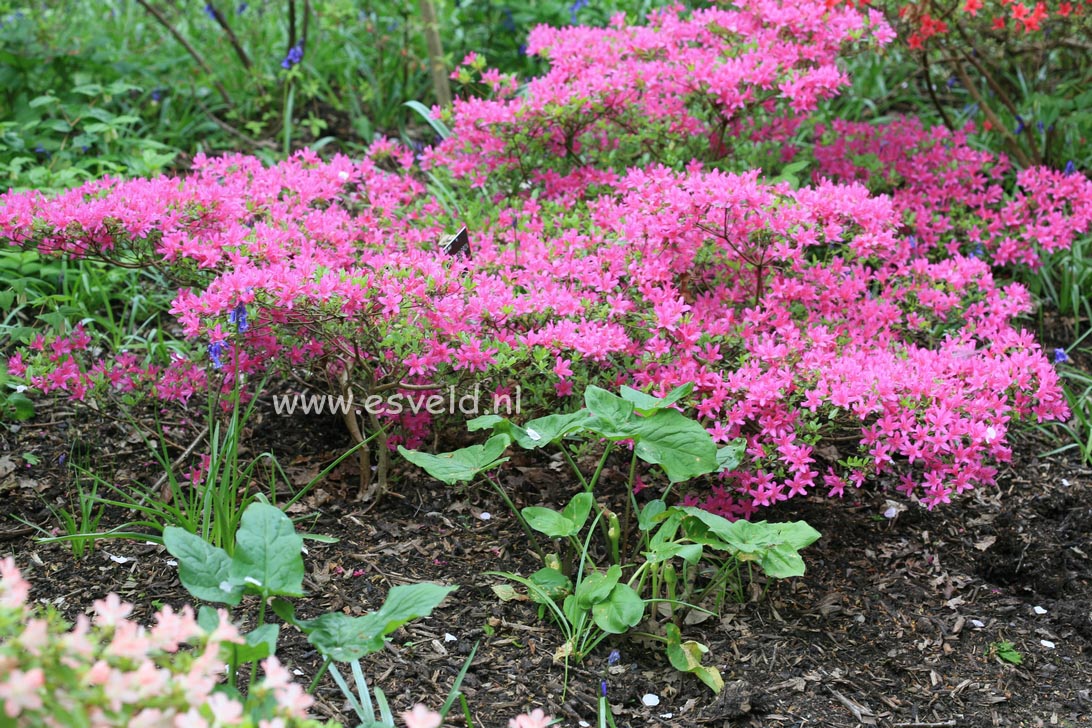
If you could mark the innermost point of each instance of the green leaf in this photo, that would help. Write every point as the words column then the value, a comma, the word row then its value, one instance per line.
column 551, row 428
column 678, row 444
column 552, row 583
column 343, row 638
column 204, row 569
column 647, row 404
column 687, row 656
column 597, row 586
column 689, row 552
column 425, row 113
column 260, row 643
column 648, row 515
column 268, row 555
column 549, row 522
column 731, row 455
column 461, row 465
column 610, row 414
column 536, row 433
column 21, row 404
column 578, row 509
column 622, row 610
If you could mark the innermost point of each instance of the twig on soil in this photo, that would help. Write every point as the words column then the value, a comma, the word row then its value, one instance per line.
column 942, row 724
column 862, row 713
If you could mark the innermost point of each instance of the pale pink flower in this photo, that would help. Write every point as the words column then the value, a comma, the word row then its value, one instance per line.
column 535, row 719
column 225, row 711
column 35, row 636
column 19, row 691
column 422, row 717
column 14, row 589
column 110, row 611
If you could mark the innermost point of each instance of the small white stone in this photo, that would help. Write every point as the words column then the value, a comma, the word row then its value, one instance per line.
column 1038, row 610
column 485, row 516
column 1047, row 644
column 651, row 700
column 978, row 623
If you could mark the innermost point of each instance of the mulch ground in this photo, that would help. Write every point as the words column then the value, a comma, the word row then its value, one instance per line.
column 895, row 623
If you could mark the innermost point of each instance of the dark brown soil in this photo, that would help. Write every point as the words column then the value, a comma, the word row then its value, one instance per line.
column 895, row 623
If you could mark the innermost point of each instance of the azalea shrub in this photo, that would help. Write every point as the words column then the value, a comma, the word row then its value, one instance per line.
column 111, row 671
column 843, row 333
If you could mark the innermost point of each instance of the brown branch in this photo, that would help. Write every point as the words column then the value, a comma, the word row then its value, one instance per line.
column 155, row 13
column 1010, row 140
column 232, row 38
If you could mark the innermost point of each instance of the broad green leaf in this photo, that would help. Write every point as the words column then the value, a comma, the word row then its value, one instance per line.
column 343, row 638
column 646, row 519
column 781, row 562
column 578, row 509
column 646, row 404
column 260, row 643
column 689, row 552
column 731, row 455
column 620, row 612
column 461, row 465
column 550, row 522
column 678, row 444
column 686, row 657
column 597, row 586
column 798, row 534
column 611, row 415
column 552, row 583
column 485, row 422
column 507, row 593
column 268, row 555
column 544, row 430
column 204, row 569
column 22, row 405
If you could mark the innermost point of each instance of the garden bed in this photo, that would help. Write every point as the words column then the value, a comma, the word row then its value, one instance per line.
column 897, row 621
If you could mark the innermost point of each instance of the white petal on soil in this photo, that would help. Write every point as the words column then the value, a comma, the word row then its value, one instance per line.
column 448, row 637
column 1047, row 644
column 650, row 699
column 118, row 559
column 1038, row 610
column 485, row 516
column 172, row 562
column 978, row 623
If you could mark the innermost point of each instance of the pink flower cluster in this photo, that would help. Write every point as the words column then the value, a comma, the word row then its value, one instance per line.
column 804, row 317
column 616, row 96
column 111, row 672
column 952, row 197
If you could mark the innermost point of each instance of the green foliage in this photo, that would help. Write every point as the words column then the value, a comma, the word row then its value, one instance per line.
column 588, row 602
column 1007, row 651
column 268, row 563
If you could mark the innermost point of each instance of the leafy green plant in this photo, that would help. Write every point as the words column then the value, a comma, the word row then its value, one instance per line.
column 587, row 601
column 268, row 563
column 1007, row 651
column 80, row 522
